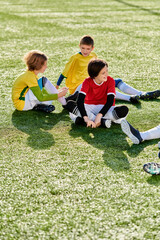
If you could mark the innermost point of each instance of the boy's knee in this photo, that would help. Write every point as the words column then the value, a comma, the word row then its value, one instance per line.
column 120, row 111
column 118, row 81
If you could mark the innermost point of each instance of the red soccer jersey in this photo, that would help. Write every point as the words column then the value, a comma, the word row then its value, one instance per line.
column 97, row 93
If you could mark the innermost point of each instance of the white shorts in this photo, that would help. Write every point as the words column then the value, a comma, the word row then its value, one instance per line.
column 31, row 101
column 93, row 110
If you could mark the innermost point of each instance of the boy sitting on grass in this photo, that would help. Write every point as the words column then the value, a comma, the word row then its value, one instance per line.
column 96, row 101
column 75, row 70
column 30, row 93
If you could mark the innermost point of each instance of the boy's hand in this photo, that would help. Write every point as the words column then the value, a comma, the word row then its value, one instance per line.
column 57, row 86
column 89, row 122
column 98, row 119
column 62, row 92
column 63, row 88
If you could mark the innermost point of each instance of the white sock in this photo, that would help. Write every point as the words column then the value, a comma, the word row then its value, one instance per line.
column 153, row 133
column 122, row 96
column 128, row 89
column 51, row 89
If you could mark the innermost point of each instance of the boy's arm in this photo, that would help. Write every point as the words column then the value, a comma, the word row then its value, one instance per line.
column 65, row 71
column 109, row 103
column 104, row 110
column 60, row 79
column 43, row 95
column 80, row 104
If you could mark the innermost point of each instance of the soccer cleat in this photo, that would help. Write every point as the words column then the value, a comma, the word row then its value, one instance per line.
column 131, row 132
column 44, row 108
column 134, row 99
column 72, row 97
column 150, row 95
column 152, row 168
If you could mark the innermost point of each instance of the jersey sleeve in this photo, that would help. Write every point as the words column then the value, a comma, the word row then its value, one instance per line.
column 85, row 86
column 43, row 95
column 60, row 79
column 69, row 65
column 111, row 86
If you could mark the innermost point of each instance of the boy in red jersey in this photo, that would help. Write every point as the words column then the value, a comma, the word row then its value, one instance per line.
column 96, row 101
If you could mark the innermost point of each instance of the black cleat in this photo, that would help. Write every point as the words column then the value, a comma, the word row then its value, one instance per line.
column 131, row 132
column 150, row 95
column 44, row 108
column 72, row 97
column 134, row 99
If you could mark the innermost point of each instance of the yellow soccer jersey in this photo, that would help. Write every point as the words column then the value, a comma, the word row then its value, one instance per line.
column 76, row 70
column 21, row 87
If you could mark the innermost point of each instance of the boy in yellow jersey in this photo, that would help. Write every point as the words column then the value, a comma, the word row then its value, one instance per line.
column 29, row 92
column 75, row 70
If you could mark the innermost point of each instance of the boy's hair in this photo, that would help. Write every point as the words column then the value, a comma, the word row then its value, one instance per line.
column 95, row 66
column 35, row 60
column 87, row 40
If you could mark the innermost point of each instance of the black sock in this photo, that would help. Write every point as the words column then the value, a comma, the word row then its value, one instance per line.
column 103, row 122
column 80, row 121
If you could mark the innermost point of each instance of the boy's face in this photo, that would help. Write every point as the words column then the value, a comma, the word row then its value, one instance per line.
column 86, row 49
column 102, row 76
column 43, row 68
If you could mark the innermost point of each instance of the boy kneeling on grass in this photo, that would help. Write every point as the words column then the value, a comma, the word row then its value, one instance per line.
column 29, row 92
column 96, row 101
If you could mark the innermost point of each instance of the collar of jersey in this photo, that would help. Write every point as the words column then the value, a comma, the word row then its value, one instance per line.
column 97, row 83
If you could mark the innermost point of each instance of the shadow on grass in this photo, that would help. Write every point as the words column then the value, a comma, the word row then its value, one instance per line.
column 154, row 180
column 138, row 7
column 137, row 105
column 36, row 125
column 135, row 149
column 111, row 141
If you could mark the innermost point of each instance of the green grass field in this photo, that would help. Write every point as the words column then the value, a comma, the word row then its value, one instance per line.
column 60, row 181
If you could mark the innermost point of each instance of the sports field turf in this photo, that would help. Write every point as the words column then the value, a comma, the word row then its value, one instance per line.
column 59, row 181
